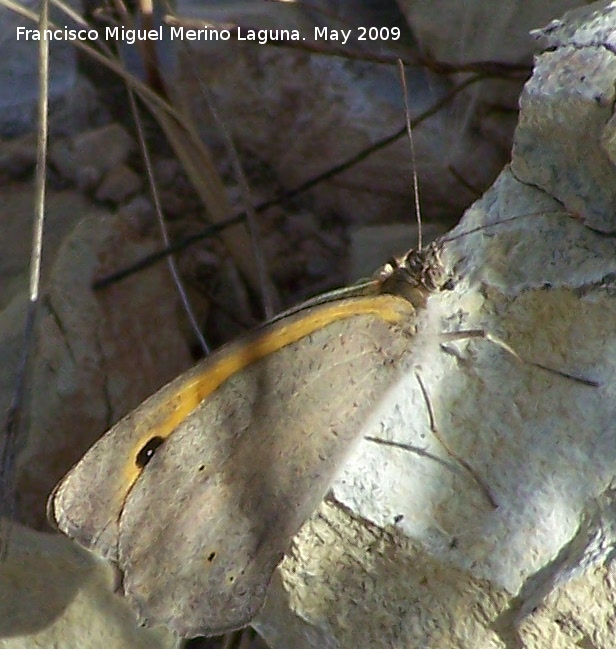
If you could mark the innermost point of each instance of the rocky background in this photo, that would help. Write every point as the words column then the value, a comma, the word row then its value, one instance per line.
column 294, row 115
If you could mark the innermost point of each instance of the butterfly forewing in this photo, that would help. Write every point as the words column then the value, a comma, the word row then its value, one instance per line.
column 198, row 498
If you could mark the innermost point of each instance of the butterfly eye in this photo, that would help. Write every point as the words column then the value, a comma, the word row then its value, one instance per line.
column 148, row 450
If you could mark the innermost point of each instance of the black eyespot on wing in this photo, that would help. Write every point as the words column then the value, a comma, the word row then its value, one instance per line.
column 148, row 450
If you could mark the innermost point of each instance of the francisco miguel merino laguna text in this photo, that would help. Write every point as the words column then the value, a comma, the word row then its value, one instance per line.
column 173, row 32
column 130, row 36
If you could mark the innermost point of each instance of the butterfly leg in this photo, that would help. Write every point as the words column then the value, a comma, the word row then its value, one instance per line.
column 468, row 469
column 483, row 334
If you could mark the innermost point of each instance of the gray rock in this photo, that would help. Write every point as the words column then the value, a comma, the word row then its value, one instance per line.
column 568, row 116
column 54, row 594
column 87, row 157
column 17, row 156
column 119, row 184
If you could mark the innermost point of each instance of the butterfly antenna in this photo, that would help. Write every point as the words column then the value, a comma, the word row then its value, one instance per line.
column 409, row 132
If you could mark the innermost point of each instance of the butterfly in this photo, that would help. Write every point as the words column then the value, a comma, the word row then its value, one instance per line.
column 197, row 493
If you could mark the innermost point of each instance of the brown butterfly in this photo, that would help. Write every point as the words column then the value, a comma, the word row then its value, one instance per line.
column 198, row 492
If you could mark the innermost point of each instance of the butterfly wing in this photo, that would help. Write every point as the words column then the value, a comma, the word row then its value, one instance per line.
column 212, row 510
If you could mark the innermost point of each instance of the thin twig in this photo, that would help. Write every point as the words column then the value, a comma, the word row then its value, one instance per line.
column 177, row 280
column 14, row 419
